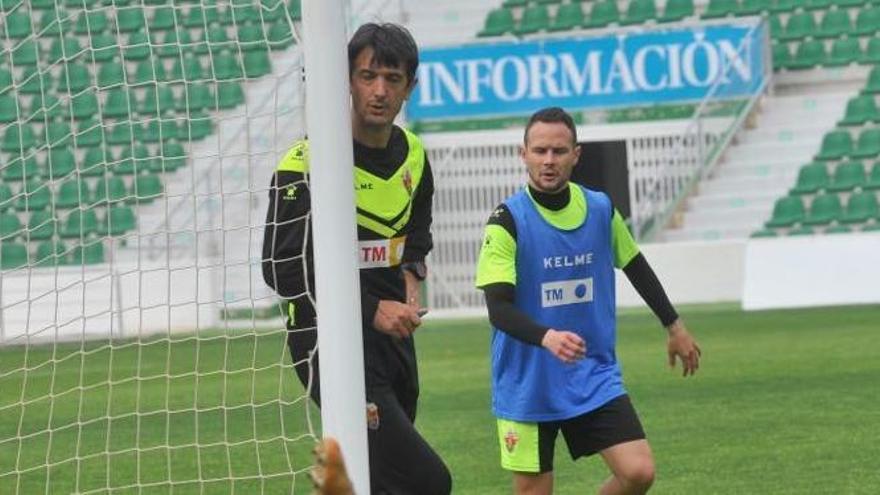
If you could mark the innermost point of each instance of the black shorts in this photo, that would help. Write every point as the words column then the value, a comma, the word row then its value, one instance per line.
column 529, row 447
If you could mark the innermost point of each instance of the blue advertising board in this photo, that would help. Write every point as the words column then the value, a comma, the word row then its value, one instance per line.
column 638, row 68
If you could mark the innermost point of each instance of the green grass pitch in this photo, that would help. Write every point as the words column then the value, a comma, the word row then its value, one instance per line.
column 784, row 402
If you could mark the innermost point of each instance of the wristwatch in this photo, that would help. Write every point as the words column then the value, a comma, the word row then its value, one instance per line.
column 417, row 268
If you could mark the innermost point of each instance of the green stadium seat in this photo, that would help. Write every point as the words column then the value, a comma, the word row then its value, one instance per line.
column 137, row 47
column 754, row 7
column 251, row 37
column 51, row 253
column 676, row 10
column 9, row 109
column 143, row 161
column 226, row 66
column 498, row 22
column 119, row 220
column 89, row 133
column 120, row 133
column 764, row 233
column 156, row 130
column 197, row 127
column 146, row 188
column 241, row 15
column 54, row 22
column 872, row 51
column 776, row 29
column 130, row 19
column 10, row 226
column 873, row 180
column 32, row 82
column 847, row 176
column 535, row 18
column 514, row 3
column 548, row 2
column 5, row 197
column 720, row 8
column 835, row 145
column 800, row 25
column 64, row 48
column 58, row 134
column 42, row 107
column 867, row 21
column 42, row 225
column 173, row 155
column 13, row 255
column 18, row 138
column 873, row 84
column 59, row 163
column 851, row 3
column 124, row 164
column 111, row 74
column 188, row 68
column 834, row 24
column 215, row 40
column 199, row 17
column 36, row 196
column 110, row 190
column 104, row 48
column 256, row 64
column 25, row 53
column 809, row 54
column 163, row 19
column 860, row 208
column 158, row 100
column 84, row 105
column 90, row 254
column 812, row 178
column 173, row 42
column 229, row 94
column 42, row 4
column 801, row 231
column 119, row 104
column 824, row 209
column 73, row 193
column 868, row 144
column 74, row 78
column 787, row 211
column 294, row 7
column 844, row 51
column 91, row 23
column 602, row 14
column 280, row 36
column 80, row 224
column 819, row 4
column 860, row 110
column 197, row 97
column 783, row 6
column 5, row 80
column 838, row 229
column 18, row 25
column 782, row 58
column 569, row 16
column 639, row 12
column 93, row 163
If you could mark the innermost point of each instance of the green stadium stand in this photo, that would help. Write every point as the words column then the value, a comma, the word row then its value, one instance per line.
column 6, row 196
column 800, row 25
column 9, row 109
column 18, row 169
column 59, row 163
column 34, row 197
column 860, row 110
column 146, row 188
column 844, row 51
column 871, row 227
column 569, row 16
column 720, row 8
column 764, row 233
column 867, row 21
column 80, row 224
column 42, row 225
column 835, row 145
column 677, row 10
column 819, row 4
column 834, row 24
column 824, row 209
column 110, row 190
column 111, row 74
column 163, row 19
column 499, row 21
column 535, row 18
column 639, row 12
column 91, row 254
column 873, row 179
column 781, row 6
column 872, row 51
column 10, row 226
column 812, row 178
column 808, row 54
column 602, row 14
column 73, row 193
column 18, row 25
column 787, row 211
column 118, row 221
column 130, row 19
column 51, row 253
column 860, row 208
column 280, row 35
column 847, row 176
column 89, row 134
column 13, row 255
column 754, row 7
column 838, row 229
column 801, row 231
column 18, row 138
column 868, row 144
column 873, row 84
column 92, row 23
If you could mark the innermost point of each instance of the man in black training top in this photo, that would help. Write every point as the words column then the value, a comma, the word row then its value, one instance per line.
column 394, row 187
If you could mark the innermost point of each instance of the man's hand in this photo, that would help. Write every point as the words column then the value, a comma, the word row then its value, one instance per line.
column 396, row 318
column 680, row 344
column 567, row 346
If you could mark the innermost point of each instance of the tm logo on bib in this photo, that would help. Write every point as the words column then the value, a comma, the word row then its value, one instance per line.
column 564, row 292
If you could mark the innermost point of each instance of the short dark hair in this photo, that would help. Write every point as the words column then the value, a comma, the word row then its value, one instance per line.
column 392, row 44
column 551, row 115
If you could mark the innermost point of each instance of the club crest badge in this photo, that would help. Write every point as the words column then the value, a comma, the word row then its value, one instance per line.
column 510, row 440
column 372, row 416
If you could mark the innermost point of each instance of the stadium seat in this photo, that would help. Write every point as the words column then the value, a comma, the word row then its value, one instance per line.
column 280, row 36
column 74, row 78
column 819, row 4
column 776, row 28
column 873, row 180
column 173, row 155
column 720, row 8
column 852, row 3
column 229, row 94
column 148, row 71
column 124, row 164
column 800, row 25
column 801, row 231
column 41, row 226
column 782, row 6
column 9, row 109
column 155, row 130
column 110, row 190
column 639, row 12
column 602, row 14
column 197, row 127
column 59, row 163
column 196, row 97
column 787, row 211
column 26, row 53
column 111, row 74
column 844, row 51
column 89, row 133
column 119, row 220
column 91, row 23
column 569, row 16
column 53, row 22
column 17, row 169
column 18, row 138
column 676, row 10
column 824, row 209
column 868, row 144
column 835, row 145
column 158, row 100
column 215, row 39
column 103, row 47
column 163, row 19
column 84, row 105
column 860, row 208
column 137, row 47
column 754, row 7
column 119, row 104
column 763, row 233
column 130, row 19
column 44, row 105
column 50, row 253
column 120, row 133
column 5, row 80
column 811, row 178
column 146, row 188
column 35, row 196
column 13, row 255
column 872, row 51
column 535, row 18
column 226, row 66
column 10, row 226
column 80, row 224
column 91, row 254
column 808, row 54
column 873, row 84
column 256, row 64
column 867, row 21
column 64, row 48
column 834, row 24
column 93, row 163
column 58, row 134
column 860, row 110
column 18, row 25
column 174, row 42
column 252, row 38
column 72, row 193
column 199, row 17
column 5, row 197
column 847, row 176
column 188, row 68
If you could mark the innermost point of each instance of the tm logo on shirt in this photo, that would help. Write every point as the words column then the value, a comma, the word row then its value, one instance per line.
column 565, row 292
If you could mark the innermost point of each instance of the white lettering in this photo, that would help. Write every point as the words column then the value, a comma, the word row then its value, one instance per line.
column 689, row 66
column 477, row 78
column 543, row 75
column 520, row 79
column 574, row 79
column 619, row 70
column 640, row 68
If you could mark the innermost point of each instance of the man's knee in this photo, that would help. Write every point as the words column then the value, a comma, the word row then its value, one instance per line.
column 638, row 474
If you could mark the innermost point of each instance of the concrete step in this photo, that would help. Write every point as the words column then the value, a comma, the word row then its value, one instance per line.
column 795, row 150
column 707, row 234
column 741, row 217
column 731, row 202
column 741, row 185
column 769, row 171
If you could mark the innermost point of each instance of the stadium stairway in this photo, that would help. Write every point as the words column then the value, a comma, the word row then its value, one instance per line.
column 760, row 166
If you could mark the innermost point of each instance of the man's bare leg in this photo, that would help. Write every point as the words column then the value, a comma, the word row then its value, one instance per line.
column 632, row 468
column 533, row 483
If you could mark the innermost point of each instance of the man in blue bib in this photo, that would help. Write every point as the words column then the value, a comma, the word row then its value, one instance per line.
column 547, row 269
